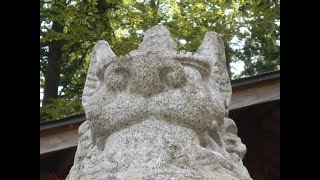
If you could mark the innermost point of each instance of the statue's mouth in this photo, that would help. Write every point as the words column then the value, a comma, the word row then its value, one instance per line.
column 175, row 107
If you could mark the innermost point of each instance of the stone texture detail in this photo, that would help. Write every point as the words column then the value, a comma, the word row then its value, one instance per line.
column 158, row 113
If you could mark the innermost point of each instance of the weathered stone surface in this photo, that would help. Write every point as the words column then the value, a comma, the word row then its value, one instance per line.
column 159, row 114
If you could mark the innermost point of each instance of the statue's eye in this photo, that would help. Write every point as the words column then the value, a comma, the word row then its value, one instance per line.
column 116, row 78
column 193, row 74
column 173, row 76
column 195, row 69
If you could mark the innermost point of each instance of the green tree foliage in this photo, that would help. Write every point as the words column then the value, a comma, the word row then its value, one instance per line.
column 70, row 28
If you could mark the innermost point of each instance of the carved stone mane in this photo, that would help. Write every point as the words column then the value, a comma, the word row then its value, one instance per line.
column 157, row 113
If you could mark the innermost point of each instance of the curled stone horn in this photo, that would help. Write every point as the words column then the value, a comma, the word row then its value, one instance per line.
column 101, row 54
column 212, row 48
column 212, row 51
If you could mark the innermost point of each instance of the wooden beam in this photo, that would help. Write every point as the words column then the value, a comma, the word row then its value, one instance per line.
column 255, row 93
column 59, row 138
column 62, row 134
column 66, row 121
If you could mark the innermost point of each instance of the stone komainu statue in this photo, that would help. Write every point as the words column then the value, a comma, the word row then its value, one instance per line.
column 157, row 113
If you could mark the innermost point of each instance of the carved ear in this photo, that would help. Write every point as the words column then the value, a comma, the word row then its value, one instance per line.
column 101, row 54
column 212, row 48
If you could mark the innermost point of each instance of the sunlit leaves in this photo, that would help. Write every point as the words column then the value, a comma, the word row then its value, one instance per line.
column 250, row 30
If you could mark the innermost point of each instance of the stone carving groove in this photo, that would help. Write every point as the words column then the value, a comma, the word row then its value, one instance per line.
column 158, row 113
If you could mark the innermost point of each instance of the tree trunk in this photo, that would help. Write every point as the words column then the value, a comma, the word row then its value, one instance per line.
column 154, row 4
column 103, row 7
column 52, row 74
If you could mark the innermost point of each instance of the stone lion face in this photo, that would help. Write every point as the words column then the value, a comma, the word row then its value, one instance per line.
column 176, row 91
column 191, row 90
column 156, row 111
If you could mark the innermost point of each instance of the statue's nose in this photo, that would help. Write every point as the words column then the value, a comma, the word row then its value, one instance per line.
column 152, row 78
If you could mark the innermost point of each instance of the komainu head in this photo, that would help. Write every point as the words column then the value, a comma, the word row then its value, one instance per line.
column 159, row 113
